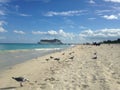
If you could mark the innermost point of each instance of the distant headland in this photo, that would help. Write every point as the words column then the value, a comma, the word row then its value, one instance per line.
column 50, row 41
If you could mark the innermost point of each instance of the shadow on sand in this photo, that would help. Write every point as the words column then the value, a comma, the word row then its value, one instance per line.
column 8, row 88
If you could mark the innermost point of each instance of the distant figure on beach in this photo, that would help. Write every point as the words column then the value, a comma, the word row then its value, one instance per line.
column 96, row 44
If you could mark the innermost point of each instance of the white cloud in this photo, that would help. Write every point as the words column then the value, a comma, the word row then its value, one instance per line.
column 103, row 11
column 116, row 8
column 17, row 7
column 2, row 29
column 64, row 34
column 1, row 26
column 92, row 1
column 115, row 1
column 60, row 33
column 82, row 27
column 45, row 1
column 99, row 35
column 2, row 12
column 82, row 37
column 52, row 32
column 2, row 23
column 109, row 14
column 65, row 13
column 110, row 17
column 92, row 18
column 18, row 32
column 24, row 15
column 38, row 32
column 4, row 1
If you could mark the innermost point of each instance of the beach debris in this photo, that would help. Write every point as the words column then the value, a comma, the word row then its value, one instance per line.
column 96, row 44
column 57, row 59
column 63, row 53
column 95, row 53
column 118, row 82
column 31, row 83
column 71, row 57
column 47, row 59
column 20, row 80
column 85, row 86
column 51, row 57
column 43, row 85
column 50, row 79
column 35, row 81
column 52, row 70
column 71, row 53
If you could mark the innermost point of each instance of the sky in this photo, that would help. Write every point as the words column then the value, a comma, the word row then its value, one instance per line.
column 71, row 21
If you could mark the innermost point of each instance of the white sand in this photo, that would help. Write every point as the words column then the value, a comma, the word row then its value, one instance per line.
column 80, row 73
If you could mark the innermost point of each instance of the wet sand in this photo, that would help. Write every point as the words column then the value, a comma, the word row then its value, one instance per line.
column 73, row 69
column 12, row 57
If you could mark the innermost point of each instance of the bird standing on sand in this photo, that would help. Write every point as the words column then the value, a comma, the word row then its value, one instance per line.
column 20, row 79
column 51, row 57
column 71, row 57
column 95, row 56
column 57, row 59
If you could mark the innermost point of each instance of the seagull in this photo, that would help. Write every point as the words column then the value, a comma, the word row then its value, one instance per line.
column 20, row 79
column 95, row 53
column 71, row 53
column 57, row 59
column 71, row 57
column 95, row 56
column 47, row 59
column 63, row 53
column 51, row 57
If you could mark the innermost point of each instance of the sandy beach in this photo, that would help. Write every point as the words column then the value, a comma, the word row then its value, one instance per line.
column 82, row 67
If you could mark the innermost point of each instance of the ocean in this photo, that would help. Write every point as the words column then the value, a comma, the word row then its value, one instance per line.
column 15, row 53
column 19, row 46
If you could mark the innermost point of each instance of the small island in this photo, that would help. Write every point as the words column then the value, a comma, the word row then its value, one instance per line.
column 51, row 41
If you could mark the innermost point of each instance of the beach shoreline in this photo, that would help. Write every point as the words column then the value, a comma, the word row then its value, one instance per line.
column 72, row 69
column 9, row 58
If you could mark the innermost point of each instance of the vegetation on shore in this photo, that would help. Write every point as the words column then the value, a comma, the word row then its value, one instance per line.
column 111, row 41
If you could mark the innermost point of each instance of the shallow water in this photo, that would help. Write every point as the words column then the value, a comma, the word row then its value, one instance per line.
column 10, row 58
column 15, row 53
column 24, row 46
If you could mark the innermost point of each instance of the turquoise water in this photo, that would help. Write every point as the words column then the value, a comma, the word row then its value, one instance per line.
column 12, row 54
column 18, row 46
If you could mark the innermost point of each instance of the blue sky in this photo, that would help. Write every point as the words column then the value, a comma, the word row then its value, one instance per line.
column 73, row 21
